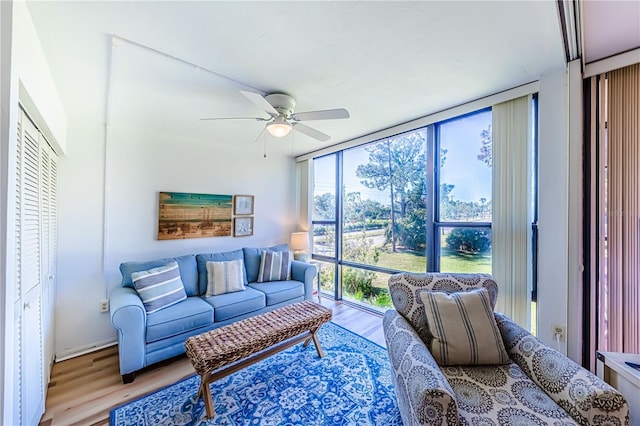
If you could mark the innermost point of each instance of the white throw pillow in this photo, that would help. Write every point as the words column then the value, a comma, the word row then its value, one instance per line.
column 224, row 277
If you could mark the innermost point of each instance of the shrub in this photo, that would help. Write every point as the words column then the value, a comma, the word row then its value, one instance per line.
column 469, row 240
column 357, row 282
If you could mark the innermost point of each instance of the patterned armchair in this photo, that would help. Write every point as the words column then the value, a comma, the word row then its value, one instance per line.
column 538, row 386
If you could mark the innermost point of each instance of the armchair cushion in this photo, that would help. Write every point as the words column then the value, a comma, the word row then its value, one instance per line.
column 463, row 328
column 504, row 393
column 159, row 287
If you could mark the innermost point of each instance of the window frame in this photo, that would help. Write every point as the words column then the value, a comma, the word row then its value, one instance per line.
column 433, row 224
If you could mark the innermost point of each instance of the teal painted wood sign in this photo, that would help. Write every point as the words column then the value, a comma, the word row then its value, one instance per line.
column 185, row 215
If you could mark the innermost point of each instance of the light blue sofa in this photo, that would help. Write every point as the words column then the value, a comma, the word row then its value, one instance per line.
column 145, row 339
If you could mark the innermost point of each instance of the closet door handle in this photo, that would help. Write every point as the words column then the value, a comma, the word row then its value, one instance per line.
column 27, row 305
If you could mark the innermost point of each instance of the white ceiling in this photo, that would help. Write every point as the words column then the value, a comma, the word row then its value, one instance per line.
column 386, row 62
column 610, row 27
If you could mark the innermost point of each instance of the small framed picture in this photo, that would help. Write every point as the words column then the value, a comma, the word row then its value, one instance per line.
column 242, row 226
column 243, row 205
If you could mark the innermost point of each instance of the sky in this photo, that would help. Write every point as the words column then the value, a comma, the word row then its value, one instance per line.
column 461, row 137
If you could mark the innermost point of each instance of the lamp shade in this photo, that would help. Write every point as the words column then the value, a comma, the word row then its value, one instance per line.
column 299, row 240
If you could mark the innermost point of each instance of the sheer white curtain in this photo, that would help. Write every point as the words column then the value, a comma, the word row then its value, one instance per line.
column 512, row 212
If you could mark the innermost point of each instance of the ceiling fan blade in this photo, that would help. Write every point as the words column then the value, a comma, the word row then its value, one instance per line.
column 327, row 114
column 261, row 102
column 235, row 118
column 313, row 133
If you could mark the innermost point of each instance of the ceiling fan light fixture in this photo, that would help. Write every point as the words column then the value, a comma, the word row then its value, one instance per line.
column 279, row 128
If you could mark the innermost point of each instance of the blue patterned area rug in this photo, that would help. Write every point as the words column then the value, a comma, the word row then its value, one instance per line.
column 351, row 385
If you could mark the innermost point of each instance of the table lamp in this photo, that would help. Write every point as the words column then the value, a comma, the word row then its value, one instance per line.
column 299, row 245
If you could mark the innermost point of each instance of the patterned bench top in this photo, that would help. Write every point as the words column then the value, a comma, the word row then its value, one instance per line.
column 225, row 345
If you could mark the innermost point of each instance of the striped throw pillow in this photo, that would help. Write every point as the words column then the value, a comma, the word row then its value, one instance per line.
column 463, row 327
column 224, row 277
column 159, row 287
column 274, row 266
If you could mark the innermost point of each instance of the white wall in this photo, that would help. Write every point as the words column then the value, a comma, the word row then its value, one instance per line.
column 575, row 262
column 6, row 361
column 31, row 73
column 553, row 207
column 26, row 79
column 110, row 179
column 141, row 161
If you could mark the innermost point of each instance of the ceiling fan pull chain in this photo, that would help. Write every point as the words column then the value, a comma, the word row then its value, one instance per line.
column 264, row 143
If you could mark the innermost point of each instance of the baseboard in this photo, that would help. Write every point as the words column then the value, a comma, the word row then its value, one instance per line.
column 72, row 353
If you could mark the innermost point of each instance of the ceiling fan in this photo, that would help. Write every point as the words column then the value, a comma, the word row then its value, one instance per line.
column 282, row 117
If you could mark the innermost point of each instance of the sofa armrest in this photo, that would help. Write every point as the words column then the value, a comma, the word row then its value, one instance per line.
column 304, row 272
column 424, row 395
column 584, row 396
column 129, row 318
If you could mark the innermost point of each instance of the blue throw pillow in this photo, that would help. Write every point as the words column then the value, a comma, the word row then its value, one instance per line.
column 159, row 287
column 252, row 259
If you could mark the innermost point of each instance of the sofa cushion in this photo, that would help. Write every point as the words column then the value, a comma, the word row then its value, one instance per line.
column 504, row 395
column 231, row 305
column 188, row 271
column 203, row 258
column 405, row 287
column 274, row 266
column 280, row 291
column 252, row 259
column 463, row 327
column 224, row 277
column 187, row 315
column 159, row 287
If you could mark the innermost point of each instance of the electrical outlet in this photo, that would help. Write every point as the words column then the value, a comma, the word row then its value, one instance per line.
column 104, row 305
column 559, row 330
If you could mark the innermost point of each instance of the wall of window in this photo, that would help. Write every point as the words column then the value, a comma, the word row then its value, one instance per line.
column 418, row 201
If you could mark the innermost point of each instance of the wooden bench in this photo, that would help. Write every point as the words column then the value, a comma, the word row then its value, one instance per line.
column 251, row 340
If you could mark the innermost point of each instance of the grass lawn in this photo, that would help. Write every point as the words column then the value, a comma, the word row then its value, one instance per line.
column 405, row 261
column 450, row 261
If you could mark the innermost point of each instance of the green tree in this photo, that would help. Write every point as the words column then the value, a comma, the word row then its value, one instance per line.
column 396, row 164
column 354, row 210
column 324, row 207
column 486, row 151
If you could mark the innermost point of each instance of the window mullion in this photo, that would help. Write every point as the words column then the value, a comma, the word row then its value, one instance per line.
column 339, row 226
column 430, row 201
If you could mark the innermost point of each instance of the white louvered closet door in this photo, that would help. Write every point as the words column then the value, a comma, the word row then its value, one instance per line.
column 35, row 257
column 49, row 260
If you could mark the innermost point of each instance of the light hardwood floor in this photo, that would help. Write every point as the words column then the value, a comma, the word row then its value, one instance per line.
column 82, row 390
